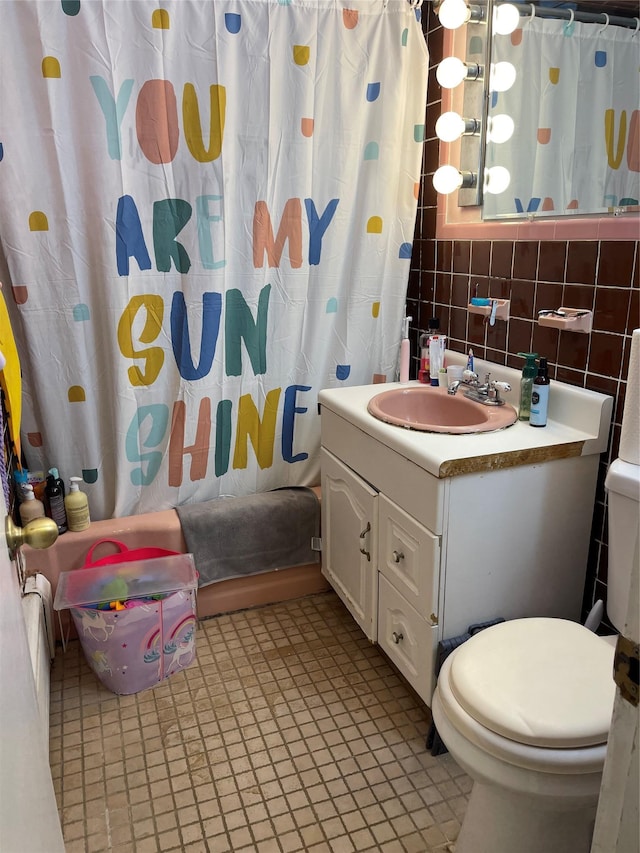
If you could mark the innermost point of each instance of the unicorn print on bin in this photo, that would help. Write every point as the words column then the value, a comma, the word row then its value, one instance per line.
column 181, row 649
column 94, row 624
column 100, row 662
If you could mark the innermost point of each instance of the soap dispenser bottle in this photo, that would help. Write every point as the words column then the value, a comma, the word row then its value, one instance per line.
column 405, row 351
column 30, row 507
column 540, row 396
column 76, row 505
column 526, row 384
column 54, row 493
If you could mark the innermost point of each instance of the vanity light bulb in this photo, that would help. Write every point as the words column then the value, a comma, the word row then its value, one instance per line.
column 453, row 14
column 502, row 77
column 450, row 126
column 505, row 19
column 496, row 180
column 447, row 179
column 501, row 128
column 451, row 72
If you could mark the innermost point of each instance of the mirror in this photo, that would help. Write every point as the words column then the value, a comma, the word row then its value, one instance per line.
column 573, row 112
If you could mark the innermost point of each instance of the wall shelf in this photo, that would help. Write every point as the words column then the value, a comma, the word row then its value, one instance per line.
column 574, row 320
column 502, row 309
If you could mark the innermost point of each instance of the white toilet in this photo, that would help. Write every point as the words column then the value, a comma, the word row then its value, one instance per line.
column 525, row 707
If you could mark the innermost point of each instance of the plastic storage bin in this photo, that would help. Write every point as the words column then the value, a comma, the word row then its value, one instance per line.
column 151, row 637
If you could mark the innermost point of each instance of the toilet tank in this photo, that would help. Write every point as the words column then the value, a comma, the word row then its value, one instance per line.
column 623, row 486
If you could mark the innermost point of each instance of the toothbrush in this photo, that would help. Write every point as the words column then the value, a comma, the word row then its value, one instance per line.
column 470, row 361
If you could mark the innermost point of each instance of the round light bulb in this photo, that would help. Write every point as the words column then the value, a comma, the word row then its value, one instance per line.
column 505, row 19
column 501, row 128
column 503, row 76
column 447, row 179
column 451, row 72
column 450, row 126
column 453, row 14
column 496, row 180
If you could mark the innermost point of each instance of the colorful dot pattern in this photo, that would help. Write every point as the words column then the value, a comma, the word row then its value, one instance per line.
column 331, row 152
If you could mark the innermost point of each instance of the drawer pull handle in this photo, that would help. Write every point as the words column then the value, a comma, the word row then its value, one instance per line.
column 397, row 637
column 362, row 537
column 397, row 556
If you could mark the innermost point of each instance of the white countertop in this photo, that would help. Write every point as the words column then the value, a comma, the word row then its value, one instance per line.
column 578, row 425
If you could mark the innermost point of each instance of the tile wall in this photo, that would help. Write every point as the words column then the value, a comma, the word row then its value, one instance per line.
column 602, row 276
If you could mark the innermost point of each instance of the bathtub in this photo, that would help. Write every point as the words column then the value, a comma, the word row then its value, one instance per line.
column 163, row 530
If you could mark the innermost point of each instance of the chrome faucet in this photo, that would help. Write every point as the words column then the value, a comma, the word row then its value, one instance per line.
column 488, row 393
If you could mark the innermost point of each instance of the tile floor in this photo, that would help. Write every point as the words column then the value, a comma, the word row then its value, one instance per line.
column 290, row 732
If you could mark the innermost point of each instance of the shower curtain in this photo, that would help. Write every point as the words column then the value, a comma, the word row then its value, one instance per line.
column 576, row 108
column 206, row 216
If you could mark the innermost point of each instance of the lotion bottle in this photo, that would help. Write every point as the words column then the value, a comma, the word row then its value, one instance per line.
column 540, row 396
column 76, row 505
column 526, row 384
column 405, row 351
column 30, row 507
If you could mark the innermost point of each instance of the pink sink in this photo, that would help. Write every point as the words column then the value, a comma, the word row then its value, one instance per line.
column 429, row 409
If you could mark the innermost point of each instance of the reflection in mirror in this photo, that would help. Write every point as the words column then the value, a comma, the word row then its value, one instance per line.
column 568, row 129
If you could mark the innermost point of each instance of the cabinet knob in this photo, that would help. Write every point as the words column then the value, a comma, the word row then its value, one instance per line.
column 397, row 556
column 397, row 637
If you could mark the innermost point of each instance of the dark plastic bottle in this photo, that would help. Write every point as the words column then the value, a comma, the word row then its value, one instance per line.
column 54, row 493
column 540, row 396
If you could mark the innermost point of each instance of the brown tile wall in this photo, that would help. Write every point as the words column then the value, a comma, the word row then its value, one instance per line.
column 601, row 276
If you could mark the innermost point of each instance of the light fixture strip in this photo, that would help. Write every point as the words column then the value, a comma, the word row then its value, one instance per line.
column 476, row 104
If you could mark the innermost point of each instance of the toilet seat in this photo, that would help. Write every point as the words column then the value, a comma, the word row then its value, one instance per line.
column 542, row 682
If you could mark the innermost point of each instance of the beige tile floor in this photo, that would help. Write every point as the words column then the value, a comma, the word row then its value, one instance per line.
column 290, row 732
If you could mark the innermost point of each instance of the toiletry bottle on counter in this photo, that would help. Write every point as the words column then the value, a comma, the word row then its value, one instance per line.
column 76, row 505
column 30, row 507
column 54, row 493
column 526, row 384
column 405, row 351
column 437, row 344
column 540, row 396
column 424, row 373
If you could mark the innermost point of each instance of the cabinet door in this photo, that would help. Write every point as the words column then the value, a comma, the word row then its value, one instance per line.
column 349, row 541
column 409, row 558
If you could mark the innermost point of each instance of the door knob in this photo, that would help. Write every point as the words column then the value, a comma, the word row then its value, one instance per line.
column 39, row 533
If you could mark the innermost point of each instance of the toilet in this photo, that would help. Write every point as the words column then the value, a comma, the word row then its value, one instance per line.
column 524, row 707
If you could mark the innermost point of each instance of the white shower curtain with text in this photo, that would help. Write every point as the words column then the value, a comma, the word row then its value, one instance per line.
column 206, row 216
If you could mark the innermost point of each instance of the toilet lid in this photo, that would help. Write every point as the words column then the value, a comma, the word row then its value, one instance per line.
column 544, row 682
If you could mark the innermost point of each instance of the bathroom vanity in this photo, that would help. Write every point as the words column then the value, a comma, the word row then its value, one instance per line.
column 425, row 534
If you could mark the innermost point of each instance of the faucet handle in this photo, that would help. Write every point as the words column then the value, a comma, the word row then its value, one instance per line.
column 501, row 386
column 469, row 376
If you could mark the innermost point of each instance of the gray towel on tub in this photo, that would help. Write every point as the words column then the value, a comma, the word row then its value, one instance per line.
column 234, row 537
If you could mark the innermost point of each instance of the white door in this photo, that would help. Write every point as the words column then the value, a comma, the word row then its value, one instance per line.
column 29, row 821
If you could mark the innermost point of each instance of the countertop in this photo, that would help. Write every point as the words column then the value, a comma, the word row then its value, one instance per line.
column 578, row 425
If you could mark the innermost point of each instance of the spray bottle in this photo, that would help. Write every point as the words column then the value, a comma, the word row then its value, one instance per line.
column 526, row 384
column 76, row 505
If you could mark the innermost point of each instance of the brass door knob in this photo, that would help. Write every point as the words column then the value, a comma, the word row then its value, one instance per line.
column 39, row 533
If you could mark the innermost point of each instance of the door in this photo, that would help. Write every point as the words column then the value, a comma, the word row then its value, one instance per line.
column 29, row 821
column 349, row 541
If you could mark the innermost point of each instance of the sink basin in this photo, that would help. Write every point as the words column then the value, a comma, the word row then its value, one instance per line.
column 429, row 409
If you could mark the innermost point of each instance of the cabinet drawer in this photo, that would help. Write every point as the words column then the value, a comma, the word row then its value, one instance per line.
column 409, row 640
column 409, row 557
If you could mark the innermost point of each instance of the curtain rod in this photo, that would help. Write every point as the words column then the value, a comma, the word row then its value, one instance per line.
column 525, row 9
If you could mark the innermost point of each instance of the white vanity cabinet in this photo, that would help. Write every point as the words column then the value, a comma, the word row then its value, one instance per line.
column 384, row 565
column 418, row 558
